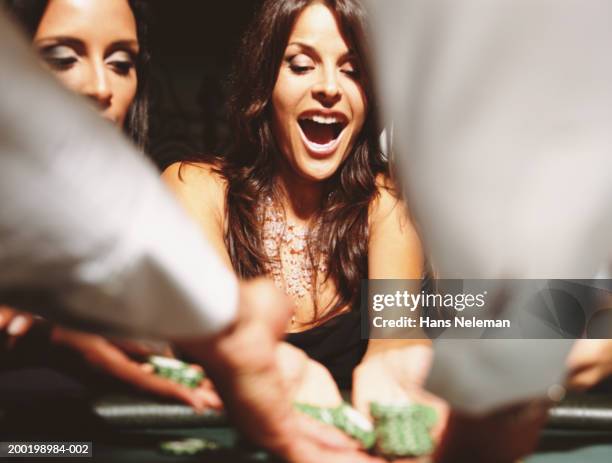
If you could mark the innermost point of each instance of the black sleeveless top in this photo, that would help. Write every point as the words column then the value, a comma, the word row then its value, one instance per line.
column 336, row 344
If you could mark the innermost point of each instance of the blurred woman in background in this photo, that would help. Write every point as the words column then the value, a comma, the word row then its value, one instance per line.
column 98, row 49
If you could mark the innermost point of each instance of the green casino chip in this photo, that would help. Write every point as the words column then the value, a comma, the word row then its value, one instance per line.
column 345, row 418
column 355, row 425
column 177, row 371
column 399, row 430
column 403, row 430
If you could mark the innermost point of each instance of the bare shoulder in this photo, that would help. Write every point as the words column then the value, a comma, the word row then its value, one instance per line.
column 387, row 202
column 198, row 185
column 394, row 248
column 194, row 175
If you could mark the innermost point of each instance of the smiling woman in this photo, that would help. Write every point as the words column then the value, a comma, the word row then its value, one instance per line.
column 318, row 102
column 104, row 60
column 304, row 195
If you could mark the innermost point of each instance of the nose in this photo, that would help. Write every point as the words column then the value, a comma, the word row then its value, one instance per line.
column 97, row 86
column 328, row 91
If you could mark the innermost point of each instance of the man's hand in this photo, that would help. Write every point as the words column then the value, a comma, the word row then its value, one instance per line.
column 104, row 356
column 589, row 363
column 243, row 363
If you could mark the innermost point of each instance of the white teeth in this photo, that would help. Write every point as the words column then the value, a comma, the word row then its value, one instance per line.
column 324, row 119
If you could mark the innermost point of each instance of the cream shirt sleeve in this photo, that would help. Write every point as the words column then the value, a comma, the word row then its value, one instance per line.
column 502, row 113
column 87, row 230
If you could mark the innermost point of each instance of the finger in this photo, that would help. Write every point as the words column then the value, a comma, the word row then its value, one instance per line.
column 19, row 325
column 6, row 315
column 585, row 353
column 360, row 402
column 210, row 398
column 147, row 368
column 142, row 349
column 585, row 379
column 196, row 367
column 361, row 395
column 323, row 434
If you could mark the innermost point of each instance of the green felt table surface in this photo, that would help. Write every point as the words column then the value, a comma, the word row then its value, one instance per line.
column 130, row 428
column 142, row 446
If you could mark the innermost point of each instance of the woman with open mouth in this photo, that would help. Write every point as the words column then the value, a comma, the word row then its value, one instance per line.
column 304, row 195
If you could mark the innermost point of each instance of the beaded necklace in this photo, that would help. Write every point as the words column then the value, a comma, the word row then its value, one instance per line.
column 286, row 246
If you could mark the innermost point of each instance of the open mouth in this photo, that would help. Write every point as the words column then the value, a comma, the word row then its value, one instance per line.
column 321, row 134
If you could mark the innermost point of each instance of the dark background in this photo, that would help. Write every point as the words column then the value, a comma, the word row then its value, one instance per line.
column 193, row 43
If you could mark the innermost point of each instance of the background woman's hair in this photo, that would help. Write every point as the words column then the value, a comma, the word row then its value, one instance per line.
column 29, row 13
column 250, row 166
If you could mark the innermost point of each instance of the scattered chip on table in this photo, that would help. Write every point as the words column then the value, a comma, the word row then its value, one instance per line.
column 190, row 446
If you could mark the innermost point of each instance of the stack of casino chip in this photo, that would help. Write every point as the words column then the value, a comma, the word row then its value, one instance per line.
column 403, row 430
column 190, row 446
column 399, row 430
column 177, row 371
column 345, row 418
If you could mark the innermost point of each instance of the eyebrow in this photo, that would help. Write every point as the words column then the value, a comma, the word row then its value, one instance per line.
column 130, row 44
column 60, row 39
column 79, row 45
column 349, row 54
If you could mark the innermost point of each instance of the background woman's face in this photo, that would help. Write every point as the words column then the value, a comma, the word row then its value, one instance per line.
column 91, row 45
column 318, row 103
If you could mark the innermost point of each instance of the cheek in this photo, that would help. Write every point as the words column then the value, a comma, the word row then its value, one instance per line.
column 282, row 113
column 124, row 93
column 359, row 106
column 72, row 79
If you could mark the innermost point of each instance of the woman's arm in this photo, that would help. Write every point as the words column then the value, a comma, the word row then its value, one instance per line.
column 394, row 252
column 201, row 191
column 394, row 370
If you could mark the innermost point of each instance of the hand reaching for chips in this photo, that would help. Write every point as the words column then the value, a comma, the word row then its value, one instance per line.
column 106, row 357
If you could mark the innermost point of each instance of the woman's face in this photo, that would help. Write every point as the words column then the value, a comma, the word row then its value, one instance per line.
column 91, row 46
column 318, row 103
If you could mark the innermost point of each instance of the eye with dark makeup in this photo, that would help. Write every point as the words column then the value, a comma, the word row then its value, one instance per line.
column 122, row 61
column 300, row 64
column 351, row 69
column 59, row 57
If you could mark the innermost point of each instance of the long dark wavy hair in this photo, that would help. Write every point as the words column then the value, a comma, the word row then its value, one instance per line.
column 29, row 14
column 250, row 167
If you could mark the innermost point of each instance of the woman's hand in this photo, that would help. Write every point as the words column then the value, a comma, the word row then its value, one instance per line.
column 307, row 380
column 14, row 324
column 589, row 363
column 106, row 357
column 397, row 375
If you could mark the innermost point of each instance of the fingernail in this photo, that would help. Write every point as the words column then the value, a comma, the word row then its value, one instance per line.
column 17, row 325
column 147, row 368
